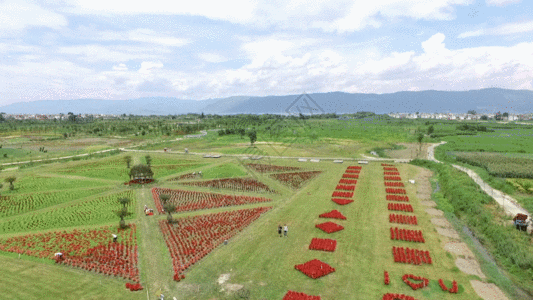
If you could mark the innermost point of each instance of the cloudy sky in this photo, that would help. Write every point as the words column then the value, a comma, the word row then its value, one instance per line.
column 72, row 49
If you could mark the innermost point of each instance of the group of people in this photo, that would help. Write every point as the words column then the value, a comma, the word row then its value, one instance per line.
column 283, row 230
column 199, row 174
column 148, row 211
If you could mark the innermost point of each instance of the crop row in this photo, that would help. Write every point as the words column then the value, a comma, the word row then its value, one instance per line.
column 402, row 219
column 348, row 175
column 406, row 235
column 390, row 169
column 390, row 173
column 263, row 168
column 499, row 165
column 344, row 187
column 236, row 184
column 342, row 194
column 295, row 179
column 397, row 198
column 191, row 238
column 395, row 191
column 400, row 207
column 193, row 200
column 411, row 256
column 394, row 184
column 348, row 181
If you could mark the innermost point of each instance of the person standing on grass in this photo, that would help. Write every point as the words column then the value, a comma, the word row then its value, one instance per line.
column 115, row 238
column 279, row 230
column 285, row 229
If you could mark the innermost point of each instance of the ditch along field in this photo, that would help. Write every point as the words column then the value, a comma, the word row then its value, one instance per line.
column 189, row 259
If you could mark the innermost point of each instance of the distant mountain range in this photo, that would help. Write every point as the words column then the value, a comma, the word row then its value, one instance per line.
column 483, row 101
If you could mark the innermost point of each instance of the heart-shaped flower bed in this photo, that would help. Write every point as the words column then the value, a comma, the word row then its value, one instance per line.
column 415, row 286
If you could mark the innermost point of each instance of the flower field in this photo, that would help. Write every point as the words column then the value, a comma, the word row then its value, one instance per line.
column 402, row 219
column 315, row 268
column 395, row 191
column 263, row 168
column 394, row 184
column 342, row 194
column 397, row 198
column 323, row 244
column 406, row 235
column 295, row 179
column 87, row 249
column 291, row 295
column 235, row 184
column 329, row 227
column 400, row 207
column 192, row 200
column 192, row 238
column 411, row 256
column 334, row 214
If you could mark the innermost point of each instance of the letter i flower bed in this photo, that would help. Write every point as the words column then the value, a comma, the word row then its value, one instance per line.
column 315, row 268
column 291, row 295
column 323, row 244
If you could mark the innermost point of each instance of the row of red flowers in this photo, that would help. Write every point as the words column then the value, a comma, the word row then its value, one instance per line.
column 348, row 181
column 348, row 175
column 390, row 169
column 394, row 184
column 342, row 194
column 386, row 165
column 403, row 219
column 391, row 173
column 415, row 286
column 237, row 184
column 392, row 178
column 395, row 191
column 397, row 198
column 387, row 278
column 134, row 287
column 315, row 268
column 352, row 171
column 323, row 244
column 454, row 289
column 344, row 187
column 354, row 168
column 411, row 256
column 400, row 207
column 406, row 235
column 291, row 295
column 189, row 239
column 334, row 214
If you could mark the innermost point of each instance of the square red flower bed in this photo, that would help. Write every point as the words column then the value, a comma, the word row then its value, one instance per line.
column 334, row 214
column 340, row 201
column 323, row 244
column 315, row 268
column 291, row 295
column 329, row 227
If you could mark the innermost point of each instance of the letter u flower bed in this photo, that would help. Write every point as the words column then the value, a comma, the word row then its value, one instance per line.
column 315, row 268
column 329, row 227
column 291, row 295
column 323, row 244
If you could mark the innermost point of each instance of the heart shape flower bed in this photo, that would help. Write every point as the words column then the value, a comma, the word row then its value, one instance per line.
column 340, row 201
column 411, row 256
column 452, row 290
column 323, row 244
column 400, row 207
column 397, row 198
column 315, row 268
column 329, row 227
column 401, row 219
column 391, row 296
column 348, row 181
column 334, row 214
column 415, row 286
column 291, row 295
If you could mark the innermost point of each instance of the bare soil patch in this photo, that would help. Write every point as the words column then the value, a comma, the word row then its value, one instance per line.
column 458, row 248
column 488, row 291
column 469, row 266
column 448, row 232
column 428, row 203
column 435, row 212
column 441, row 222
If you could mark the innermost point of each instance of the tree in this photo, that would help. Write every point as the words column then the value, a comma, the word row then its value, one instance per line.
column 124, row 202
column 253, row 137
column 498, row 116
column 10, row 180
column 141, row 172
column 1, row 186
column 148, row 160
column 169, row 208
column 127, row 159
column 431, row 129
column 123, row 212
column 484, row 117
column 419, row 139
column 505, row 115
column 472, row 112
column 71, row 117
column 164, row 198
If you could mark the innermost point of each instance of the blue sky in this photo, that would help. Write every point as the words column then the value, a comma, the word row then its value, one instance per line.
column 213, row 49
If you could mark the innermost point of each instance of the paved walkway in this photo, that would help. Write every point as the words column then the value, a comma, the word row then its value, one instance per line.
column 509, row 204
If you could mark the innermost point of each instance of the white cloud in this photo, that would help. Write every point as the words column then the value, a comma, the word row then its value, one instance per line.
column 16, row 15
column 502, row 2
column 212, row 57
column 504, row 29
column 120, row 67
column 122, row 53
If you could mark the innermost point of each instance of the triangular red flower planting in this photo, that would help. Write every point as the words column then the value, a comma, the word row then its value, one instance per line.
column 329, row 227
column 334, row 214
column 315, row 268
column 340, row 201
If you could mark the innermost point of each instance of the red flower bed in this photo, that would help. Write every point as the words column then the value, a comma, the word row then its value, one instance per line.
column 353, row 171
column 192, row 200
column 236, row 184
column 348, row 181
column 348, row 175
column 340, row 201
column 401, row 219
column 392, row 178
column 391, row 173
column 323, row 244
column 400, row 207
column 291, row 295
column 406, row 235
column 387, row 278
column 390, row 169
column 185, row 176
column 88, row 249
column 189, row 239
column 315, row 268
column 329, row 227
column 415, row 286
column 394, row 184
column 397, row 198
column 390, row 296
column 342, row 194
column 334, row 214
column 344, row 187
column 139, row 181
column 454, row 289
column 354, row 168
column 134, row 287
column 387, row 165
column 395, row 191
column 296, row 179
column 263, row 168
column 411, row 256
